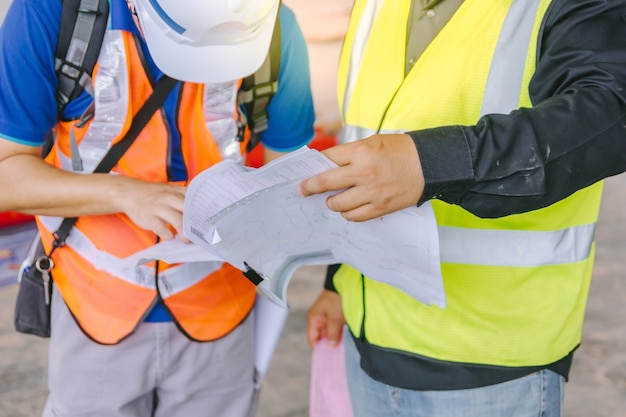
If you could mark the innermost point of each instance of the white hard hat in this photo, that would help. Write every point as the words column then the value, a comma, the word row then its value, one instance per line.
column 207, row 40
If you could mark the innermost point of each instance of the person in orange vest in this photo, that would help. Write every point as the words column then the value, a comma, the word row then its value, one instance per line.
column 158, row 340
column 502, row 117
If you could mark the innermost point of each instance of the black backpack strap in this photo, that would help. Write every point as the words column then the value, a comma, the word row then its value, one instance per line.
column 257, row 89
column 161, row 90
column 83, row 24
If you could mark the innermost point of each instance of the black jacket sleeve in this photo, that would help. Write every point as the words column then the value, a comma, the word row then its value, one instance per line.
column 573, row 136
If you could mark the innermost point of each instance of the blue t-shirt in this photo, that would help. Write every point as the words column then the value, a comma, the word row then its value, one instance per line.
column 28, row 39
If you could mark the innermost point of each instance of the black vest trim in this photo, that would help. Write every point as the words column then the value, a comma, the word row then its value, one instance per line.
column 405, row 370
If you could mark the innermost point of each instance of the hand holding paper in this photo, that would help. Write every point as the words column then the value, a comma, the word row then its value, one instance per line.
column 255, row 220
column 262, row 221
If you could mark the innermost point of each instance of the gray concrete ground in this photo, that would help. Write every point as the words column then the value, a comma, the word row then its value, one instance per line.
column 598, row 380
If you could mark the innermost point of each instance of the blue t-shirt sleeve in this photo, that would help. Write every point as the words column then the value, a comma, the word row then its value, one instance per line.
column 27, row 78
column 290, row 113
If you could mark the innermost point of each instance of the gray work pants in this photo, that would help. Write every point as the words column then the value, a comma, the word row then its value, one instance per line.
column 189, row 379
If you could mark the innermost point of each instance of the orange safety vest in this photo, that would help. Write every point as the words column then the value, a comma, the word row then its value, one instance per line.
column 206, row 299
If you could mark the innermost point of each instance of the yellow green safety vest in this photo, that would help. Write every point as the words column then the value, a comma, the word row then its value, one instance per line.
column 516, row 286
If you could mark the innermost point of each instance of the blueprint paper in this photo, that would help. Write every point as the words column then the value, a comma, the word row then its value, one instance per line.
column 228, row 184
column 276, row 232
column 257, row 217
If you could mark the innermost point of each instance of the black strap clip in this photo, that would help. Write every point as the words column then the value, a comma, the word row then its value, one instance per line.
column 255, row 277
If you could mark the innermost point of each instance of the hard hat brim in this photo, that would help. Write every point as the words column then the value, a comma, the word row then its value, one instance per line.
column 205, row 63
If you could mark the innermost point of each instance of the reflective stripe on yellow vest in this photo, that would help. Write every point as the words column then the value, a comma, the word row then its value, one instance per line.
column 206, row 299
column 515, row 286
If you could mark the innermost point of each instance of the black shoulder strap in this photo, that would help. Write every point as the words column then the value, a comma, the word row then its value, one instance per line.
column 141, row 118
column 257, row 89
column 83, row 24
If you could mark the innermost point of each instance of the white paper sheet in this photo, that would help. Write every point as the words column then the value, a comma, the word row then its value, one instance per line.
column 172, row 251
column 263, row 222
column 254, row 219
column 269, row 320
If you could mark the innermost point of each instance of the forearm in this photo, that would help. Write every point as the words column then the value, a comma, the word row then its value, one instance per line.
column 32, row 186
column 526, row 160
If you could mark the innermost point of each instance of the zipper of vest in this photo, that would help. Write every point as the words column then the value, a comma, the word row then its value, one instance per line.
column 169, row 163
column 159, row 297
column 362, row 335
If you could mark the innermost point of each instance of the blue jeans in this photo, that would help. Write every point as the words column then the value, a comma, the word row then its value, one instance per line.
column 537, row 395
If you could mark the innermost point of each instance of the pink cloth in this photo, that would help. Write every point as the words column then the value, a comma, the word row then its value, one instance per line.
column 329, row 388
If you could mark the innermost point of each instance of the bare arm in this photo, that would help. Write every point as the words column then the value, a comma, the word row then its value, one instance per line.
column 30, row 185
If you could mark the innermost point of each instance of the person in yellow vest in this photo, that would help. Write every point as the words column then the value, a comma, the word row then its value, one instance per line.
column 156, row 340
column 504, row 116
